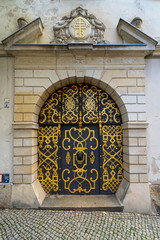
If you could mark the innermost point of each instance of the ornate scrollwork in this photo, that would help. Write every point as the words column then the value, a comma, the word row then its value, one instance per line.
column 79, row 26
column 76, row 177
column 89, row 104
column 68, row 142
column 48, row 158
column 109, row 110
column 49, row 111
column 112, row 158
column 70, row 104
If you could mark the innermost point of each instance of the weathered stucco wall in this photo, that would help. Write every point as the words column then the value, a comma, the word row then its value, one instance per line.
column 6, row 115
column 108, row 11
column 153, row 117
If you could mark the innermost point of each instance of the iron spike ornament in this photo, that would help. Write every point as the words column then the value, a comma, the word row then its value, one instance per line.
column 79, row 26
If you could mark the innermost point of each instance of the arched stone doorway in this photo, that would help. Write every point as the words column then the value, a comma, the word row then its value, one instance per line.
column 80, row 142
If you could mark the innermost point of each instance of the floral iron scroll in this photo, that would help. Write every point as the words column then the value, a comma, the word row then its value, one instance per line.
column 83, row 107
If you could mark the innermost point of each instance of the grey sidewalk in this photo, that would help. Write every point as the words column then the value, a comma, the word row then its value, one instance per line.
column 49, row 224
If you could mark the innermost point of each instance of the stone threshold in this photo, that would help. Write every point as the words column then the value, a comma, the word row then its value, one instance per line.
column 83, row 202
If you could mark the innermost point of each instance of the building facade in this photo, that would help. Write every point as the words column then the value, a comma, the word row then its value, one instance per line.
column 80, row 105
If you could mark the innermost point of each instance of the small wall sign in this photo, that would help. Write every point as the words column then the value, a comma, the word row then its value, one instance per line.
column 6, row 102
column 1, row 177
column 6, row 178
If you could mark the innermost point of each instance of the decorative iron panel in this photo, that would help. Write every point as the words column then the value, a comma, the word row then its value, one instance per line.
column 48, row 166
column 50, row 110
column 80, row 142
column 89, row 104
column 70, row 105
column 80, row 168
column 111, row 169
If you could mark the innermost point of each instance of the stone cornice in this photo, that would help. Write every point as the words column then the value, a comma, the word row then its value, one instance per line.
column 156, row 53
column 103, row 49
column 26, row 34
column 132, row 34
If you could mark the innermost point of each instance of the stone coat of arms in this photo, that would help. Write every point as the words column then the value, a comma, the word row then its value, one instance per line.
column 79, row 26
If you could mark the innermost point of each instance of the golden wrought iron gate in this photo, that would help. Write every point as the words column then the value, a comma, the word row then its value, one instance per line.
column 80, row 142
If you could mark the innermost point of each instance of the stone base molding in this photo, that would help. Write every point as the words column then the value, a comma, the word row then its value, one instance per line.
column 27, row 195
column 138, row 198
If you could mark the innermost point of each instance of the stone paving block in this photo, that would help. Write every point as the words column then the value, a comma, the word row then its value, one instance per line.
column 77, row 225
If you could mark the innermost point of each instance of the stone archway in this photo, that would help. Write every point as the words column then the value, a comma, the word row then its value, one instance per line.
column 80, row 142
column 25, row 160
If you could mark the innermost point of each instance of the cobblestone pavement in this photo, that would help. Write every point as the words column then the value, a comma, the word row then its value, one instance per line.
column 50, row 224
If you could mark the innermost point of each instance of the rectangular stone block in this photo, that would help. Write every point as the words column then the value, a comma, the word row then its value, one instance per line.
column 136, row 90
column 18, row 82
column 142, row 141
column 23, row 73
column 30, row 117
column 122, row 109
column 30, row 142
column 31, row 99
column 134, row 178
column 18, row 99
column 25, row 151
column 5, row 196
column 23, row 90
column 138, row 169
column 130, row 141
column 136, row 73
column 134, row 133
column 130, row 159
column 17, row 142
column 142, row 117
column 43, row 73
column 132, row 150
column 122, row 82
column 132, row 117
column 143, row 177
column 136, row 108
column 143, row 159
column 40, row 91
column 17, row 160
column 62, row 74
column 122, row 90
column 140, row 82
column 37, row 82
column 25, row 169
column 25, row 133
column 129, row 99
column 24, row 108
column 141, row 99
column 18, row 117
column 89, row 73
column 17, row 179
column 137, row 150
column 30, row 178
column 30, row 159
column 37, row 109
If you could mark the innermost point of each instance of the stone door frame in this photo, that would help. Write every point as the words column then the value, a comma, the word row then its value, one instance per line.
column 32, row 88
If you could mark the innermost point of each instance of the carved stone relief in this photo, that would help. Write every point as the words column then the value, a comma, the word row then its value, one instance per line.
column 79, row 26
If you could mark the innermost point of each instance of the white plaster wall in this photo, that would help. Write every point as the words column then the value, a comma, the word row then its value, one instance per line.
column 6, row 116
column 153, row 117
column 108, row 11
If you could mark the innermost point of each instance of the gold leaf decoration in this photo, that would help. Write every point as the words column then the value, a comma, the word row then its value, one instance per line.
column 68, row 158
